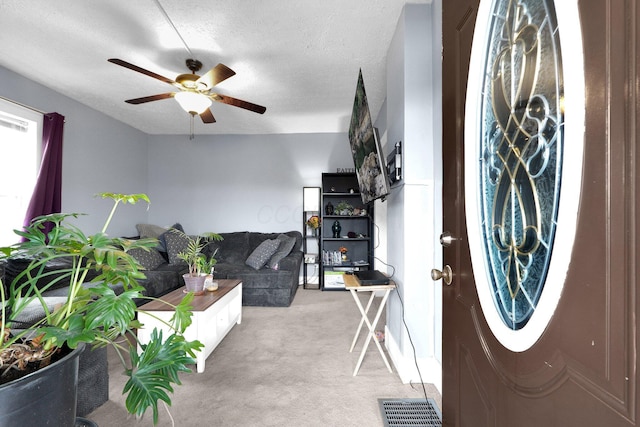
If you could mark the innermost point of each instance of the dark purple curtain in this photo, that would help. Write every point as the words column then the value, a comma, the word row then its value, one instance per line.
column 47, row 194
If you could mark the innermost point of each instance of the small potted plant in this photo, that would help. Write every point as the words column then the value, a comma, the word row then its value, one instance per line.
column 200, row 266
column 344, row 208
column 90, row 314
column 313, row 223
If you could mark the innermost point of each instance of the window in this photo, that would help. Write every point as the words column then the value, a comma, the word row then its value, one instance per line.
column 20, row 151
column 524, row 127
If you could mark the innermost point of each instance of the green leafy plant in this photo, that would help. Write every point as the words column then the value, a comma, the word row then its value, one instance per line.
column 92, row 312
column 344, row 208
column 198, row 261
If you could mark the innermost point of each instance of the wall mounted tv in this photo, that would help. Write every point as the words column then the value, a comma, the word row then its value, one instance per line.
column 366, row 149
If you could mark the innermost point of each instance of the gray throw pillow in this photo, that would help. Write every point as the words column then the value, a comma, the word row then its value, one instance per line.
column 286, row 244
column 176, row 243
column 262, row 253
column 149, row 260
column 150, row 230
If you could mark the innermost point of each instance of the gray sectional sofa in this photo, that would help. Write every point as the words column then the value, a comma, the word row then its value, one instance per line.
column 267, row 263
column 269, row 277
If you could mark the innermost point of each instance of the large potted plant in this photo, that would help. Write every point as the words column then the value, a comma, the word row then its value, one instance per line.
column 91, row 314
column 200, row 265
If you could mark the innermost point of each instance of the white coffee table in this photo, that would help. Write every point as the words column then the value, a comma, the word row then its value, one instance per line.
column 214, row 314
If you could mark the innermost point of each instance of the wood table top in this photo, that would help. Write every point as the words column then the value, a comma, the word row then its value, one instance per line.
column 351, row 282
column 199, row 303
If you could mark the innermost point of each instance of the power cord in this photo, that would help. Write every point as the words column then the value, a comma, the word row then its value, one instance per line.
column 415, row 358
column 377, row 240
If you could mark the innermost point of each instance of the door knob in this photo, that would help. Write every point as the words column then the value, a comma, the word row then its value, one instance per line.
column 446, row 239
column 446, row 275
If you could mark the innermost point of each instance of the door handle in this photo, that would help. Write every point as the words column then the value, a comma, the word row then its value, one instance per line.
column 446, row 275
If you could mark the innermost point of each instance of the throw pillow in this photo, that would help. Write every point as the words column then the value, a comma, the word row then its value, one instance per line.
column 262, row 253
column 286, row 244
column 150, row 230
column 163, row 237
column 176, row 243
column 149, row 260
column 156, row 232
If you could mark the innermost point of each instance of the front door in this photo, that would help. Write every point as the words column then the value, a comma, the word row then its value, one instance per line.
column 505, row 362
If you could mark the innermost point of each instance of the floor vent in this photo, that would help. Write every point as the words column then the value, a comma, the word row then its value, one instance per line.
column 410, row 413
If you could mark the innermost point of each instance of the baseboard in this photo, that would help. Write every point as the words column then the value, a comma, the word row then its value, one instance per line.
column 428, row 367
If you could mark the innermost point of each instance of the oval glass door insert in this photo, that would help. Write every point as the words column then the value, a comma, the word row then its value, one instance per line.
column 518, row 164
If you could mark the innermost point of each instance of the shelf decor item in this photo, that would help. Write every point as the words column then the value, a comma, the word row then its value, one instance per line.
column 344, row 209
column 344, row 251
column 314, row 223
column 336, row 228
column 328, row 210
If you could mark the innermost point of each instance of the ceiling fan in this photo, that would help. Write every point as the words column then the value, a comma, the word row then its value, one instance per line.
column 195, row 92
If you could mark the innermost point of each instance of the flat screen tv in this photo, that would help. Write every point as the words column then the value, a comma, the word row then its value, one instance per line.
column 366, row 149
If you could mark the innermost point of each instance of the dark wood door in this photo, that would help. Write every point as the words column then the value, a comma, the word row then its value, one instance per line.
column 582, row 371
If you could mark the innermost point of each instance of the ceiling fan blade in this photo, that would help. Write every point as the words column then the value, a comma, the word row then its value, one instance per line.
column 141, row 70
column 207, row 116
column 150, row 98
column 217, row 74
column 239, row 103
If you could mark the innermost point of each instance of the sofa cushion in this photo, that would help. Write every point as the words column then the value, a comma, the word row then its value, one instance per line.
column 262, row 253
column 176, row 243
column 55, row 270
column 233, row 249
column 150, row 230
column 157, row 232
column 163, row 237
column 252, row 278
column 148, row 259
column 284, row 249
column 161, row 281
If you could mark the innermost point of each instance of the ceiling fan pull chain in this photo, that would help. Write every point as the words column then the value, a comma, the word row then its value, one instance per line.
column 191, row 128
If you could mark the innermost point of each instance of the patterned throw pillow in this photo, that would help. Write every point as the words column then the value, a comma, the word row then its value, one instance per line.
column 150, row 259
column 262, row 253
column 286, row 244
column 176, row 243
column 157, row 232
column 163, row 237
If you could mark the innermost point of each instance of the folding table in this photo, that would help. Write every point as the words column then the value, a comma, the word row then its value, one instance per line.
column 353, row 285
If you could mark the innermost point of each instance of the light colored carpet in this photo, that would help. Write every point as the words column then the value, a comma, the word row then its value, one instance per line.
column 280, row 367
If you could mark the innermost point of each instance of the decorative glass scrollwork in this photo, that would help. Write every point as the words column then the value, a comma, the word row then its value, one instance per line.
column 521, row 153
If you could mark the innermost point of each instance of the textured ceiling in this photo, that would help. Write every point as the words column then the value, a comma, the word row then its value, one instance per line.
column 298, row 58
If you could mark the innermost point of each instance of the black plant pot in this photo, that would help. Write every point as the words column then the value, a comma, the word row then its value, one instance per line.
column 46, row 397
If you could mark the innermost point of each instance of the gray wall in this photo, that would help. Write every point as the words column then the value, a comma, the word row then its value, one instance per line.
column 239, row 182
column 414, row 208
column 100, row 154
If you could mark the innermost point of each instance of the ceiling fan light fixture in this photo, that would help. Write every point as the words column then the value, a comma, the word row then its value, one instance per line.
column 193, row 102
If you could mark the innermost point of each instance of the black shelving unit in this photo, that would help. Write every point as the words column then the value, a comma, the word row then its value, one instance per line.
column 356, row 230
column 310, row 237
